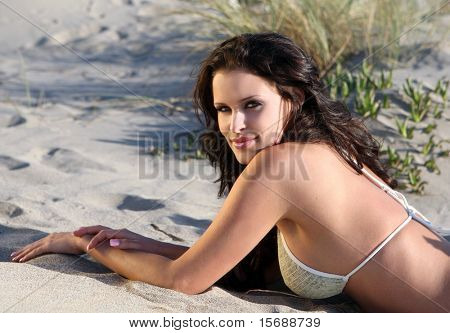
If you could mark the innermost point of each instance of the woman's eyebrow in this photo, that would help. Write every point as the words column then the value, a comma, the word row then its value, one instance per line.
column 219, row 103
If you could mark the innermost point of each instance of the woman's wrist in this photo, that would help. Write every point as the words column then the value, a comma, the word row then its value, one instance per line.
column 150, row 245
column 169, row 250
column 83, row 241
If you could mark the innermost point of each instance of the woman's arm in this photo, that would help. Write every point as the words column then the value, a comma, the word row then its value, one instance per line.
column 254, row 205
column 129, row 240
column 136, row 265
column 252, row 208
column 172, row 251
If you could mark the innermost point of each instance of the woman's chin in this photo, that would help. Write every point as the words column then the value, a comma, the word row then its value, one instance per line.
column 244, row 157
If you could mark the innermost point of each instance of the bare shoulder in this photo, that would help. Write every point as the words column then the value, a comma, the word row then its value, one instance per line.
column 311, row 163
column 316, row 153
column 304, row 173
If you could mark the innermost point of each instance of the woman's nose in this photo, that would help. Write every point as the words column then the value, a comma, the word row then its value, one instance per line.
column 238, row 121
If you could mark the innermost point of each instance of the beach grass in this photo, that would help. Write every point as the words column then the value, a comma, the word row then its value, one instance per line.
column 330, row 30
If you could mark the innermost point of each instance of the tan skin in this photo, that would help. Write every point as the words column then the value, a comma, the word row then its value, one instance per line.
column 78, row 241
column 397, row 278
column 337, row 245
column 316, row 210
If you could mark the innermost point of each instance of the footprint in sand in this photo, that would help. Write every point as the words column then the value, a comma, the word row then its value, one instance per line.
column 118, row 200
column 9, row 210
column 9, row 163
column 136, row 203
column 70, row 161
column 12, row 120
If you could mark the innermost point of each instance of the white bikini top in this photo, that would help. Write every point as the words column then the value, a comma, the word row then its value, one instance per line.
column 308, row 282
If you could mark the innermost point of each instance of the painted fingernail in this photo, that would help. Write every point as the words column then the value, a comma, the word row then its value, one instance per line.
column 114, row 242
column 20, row 259
column 12, row 254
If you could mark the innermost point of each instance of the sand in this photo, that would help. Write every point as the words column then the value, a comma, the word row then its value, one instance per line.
column 73, row 135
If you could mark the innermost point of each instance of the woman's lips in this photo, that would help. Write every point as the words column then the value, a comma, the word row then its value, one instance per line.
column 244, row 144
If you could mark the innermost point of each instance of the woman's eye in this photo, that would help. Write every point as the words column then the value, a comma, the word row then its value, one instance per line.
column 254, row 103
column 224, row 109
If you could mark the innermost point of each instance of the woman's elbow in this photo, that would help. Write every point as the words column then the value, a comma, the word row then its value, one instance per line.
column 186, row 287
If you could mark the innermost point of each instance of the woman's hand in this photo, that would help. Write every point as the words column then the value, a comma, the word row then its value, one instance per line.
column 57, row 242
column 120, row 238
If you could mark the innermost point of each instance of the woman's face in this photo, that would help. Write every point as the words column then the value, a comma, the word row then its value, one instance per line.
column 248, row 106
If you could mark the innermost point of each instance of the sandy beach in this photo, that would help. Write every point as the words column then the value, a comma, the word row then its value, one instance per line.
column 75, row 140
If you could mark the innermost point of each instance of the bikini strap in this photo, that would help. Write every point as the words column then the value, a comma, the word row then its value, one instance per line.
column 383, row 186
column 397, row 196
column 379, row 247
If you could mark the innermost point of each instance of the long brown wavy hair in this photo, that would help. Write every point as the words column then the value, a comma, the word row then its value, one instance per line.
column 314, row 117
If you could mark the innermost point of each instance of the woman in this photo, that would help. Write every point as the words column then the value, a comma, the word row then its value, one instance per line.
column 308, row 201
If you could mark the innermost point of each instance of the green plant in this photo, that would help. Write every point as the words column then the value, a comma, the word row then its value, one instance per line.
column 444, row 153
column 416, row 184
column 340, row 82
column 386, row 104
column 437, row 114
column 393, row 156
column 407, row 160
column 429, row 146
column 429, row 128
column 403, row 129
column 432, row 166
column 418, row 112
column 420, row 102
column 365, row 104
column 364, row 80
column 385, row 82
column 411, row 91
column 350, row 80
column 441, row 89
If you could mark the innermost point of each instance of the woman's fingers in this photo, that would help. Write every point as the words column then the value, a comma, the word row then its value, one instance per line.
column 125, row 244
column 100, row 237
column 26, row 248
column 89, row 230
column 16, row 253
column 28, row 252
column 56, row 242
column 95, row 240
column 106, row 234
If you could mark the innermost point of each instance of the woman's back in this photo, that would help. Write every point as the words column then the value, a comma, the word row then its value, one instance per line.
column 343, row 217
